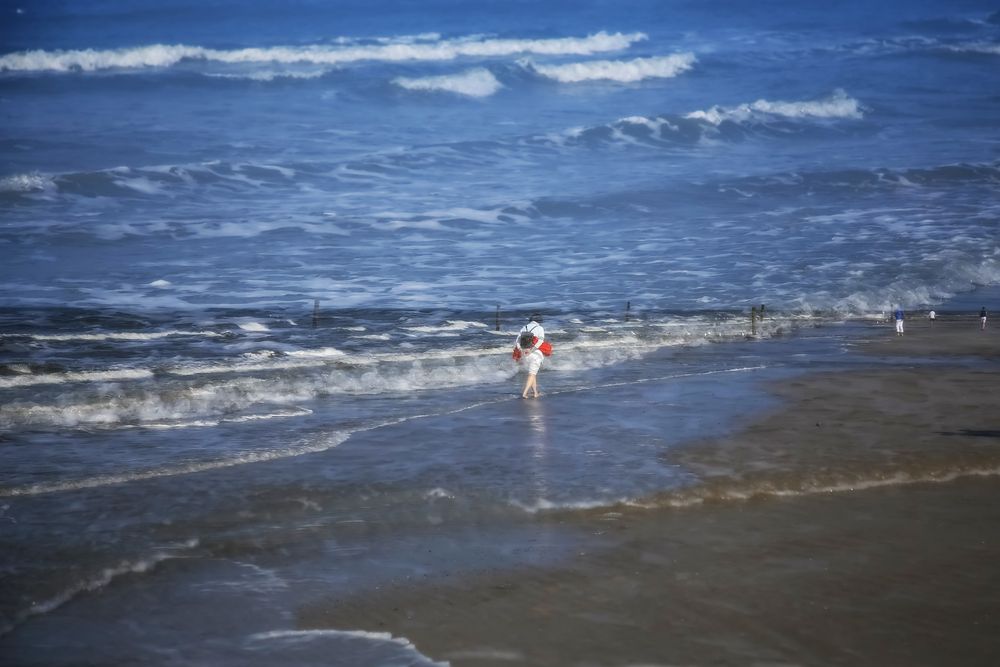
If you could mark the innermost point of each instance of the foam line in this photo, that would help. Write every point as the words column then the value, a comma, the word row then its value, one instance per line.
column 168, row 55
column 330, row 441
column 366, row 635
column 101, row 580
column 838, row 105
column 701, row 495
column 82, row 376
column 622, row 71
column 113, row 335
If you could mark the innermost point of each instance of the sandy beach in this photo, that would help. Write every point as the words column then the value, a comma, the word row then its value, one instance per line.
column 855, row 524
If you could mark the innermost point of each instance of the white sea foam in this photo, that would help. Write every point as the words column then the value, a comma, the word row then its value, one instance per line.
column 270, row 75
column 838, row 105
column 319, row 443
column 544, row 505
column 103, row 578
column 118, row 335
column 654, row 124
column 141, row 185
column 478, row 82
column 739, row 492
column 167, row 55
column 448, row 325
column 31, row 182
column 77, row 376
column 239, row 419
column 253, row 326
column 318, row 353
column 160, row 284
column 245, row 366
column 309, row 636
column 988, row 48
column 623, row 71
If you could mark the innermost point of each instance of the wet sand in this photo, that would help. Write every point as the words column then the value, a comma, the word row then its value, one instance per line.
column 857, row 524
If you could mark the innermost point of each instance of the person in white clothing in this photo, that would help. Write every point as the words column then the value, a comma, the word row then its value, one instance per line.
column 529, row 339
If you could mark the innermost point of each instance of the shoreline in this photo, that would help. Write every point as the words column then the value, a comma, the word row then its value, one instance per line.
column 856, row 523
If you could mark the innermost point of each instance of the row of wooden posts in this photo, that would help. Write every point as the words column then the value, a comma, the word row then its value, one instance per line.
column 756, row 315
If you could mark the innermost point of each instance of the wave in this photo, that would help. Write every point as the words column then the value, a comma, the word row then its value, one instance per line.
column 741, row 490
column 729, row 491
column 479, row 82
column 870, row 179
column 290, row 639
column 166, row 55
column 275, row 386
column 114, row 335
column 837, row 106
column 985, row 48
column 318, row 444
column 623, row 71
column 25, row 380
column 147, row 181
column 716, row 123
column 30, row 182
column 101, row 580
column 270, row 75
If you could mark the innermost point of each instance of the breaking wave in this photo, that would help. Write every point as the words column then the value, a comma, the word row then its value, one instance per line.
column 716, row 123
column 169, row 55
column 623, row 71
column 100, row 580
column 32, row 182
column 735, row 491
column 478, row 82
column 838, row 106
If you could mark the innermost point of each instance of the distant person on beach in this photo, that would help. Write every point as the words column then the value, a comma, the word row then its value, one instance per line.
column 932, row 316
column 982, row 318
column 527, row 352
column 899, row 316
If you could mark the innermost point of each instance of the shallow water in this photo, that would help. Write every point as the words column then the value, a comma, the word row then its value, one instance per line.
column 263, row 271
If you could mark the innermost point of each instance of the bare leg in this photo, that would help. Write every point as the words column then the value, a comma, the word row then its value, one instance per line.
column 531, row 384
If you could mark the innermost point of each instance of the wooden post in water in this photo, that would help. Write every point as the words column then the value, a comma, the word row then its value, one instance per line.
column 315, row 312
column 753, row 321
column 628, row 306
column 498, row 317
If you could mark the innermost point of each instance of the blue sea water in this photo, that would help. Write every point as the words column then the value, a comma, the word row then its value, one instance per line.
column 263, row 265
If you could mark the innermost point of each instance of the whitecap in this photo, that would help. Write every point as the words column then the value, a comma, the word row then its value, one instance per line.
column 318, row 353
column 622, row 71
column 75, row 376
column 118, row 335
column 478, row 82
column 838, row 105
column 168, row 55
column 30, row 182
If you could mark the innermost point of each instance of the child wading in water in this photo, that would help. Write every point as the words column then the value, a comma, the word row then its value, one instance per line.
column 527, row 352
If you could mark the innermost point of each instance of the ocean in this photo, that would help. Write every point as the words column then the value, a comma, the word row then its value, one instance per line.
column 264, row 264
